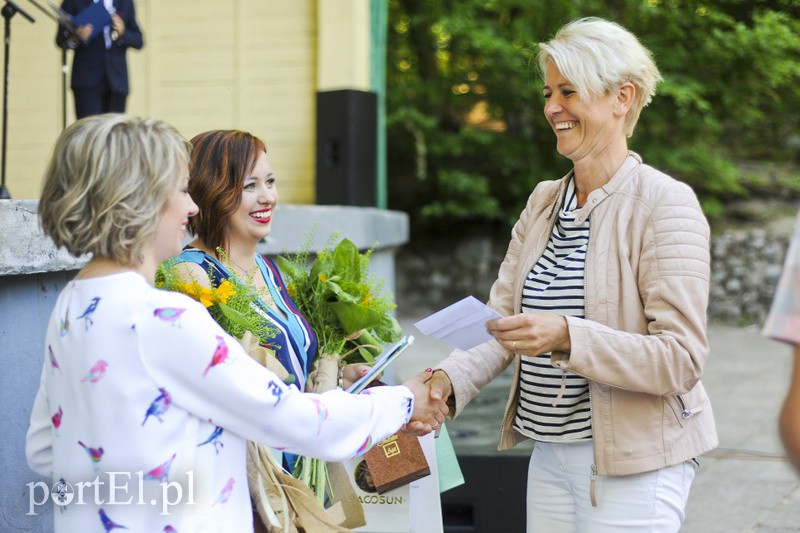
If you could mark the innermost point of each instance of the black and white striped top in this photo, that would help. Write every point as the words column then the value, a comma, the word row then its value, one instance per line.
column 556, row 284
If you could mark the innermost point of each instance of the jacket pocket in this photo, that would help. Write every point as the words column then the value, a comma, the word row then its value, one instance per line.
column 682, row 408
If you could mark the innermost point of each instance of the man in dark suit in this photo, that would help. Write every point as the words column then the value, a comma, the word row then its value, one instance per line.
column 100, row 69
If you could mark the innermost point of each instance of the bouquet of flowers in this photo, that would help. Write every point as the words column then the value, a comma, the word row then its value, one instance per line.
column 346, row 306
column 350, row 313
column 231, row 303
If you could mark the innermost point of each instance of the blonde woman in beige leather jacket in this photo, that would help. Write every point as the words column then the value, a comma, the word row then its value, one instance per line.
column 641, row 343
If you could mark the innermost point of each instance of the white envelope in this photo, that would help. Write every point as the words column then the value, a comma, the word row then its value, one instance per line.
column 461, row 324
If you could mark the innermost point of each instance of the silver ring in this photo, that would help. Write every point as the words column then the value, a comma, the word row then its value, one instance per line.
column 435, row 424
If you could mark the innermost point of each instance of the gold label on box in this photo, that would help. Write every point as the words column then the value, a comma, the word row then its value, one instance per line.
column 390, row 449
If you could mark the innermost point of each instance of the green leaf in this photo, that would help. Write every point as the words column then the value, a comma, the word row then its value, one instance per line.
column 368, row 341
column 354, row 317
column 367, row 354
column 341, row 293
column 346, row 260
column 389, row 329
column 289, row 268
column 236, row 317
column 317, row 268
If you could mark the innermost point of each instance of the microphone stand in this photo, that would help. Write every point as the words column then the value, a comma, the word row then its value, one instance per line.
column 67, row 26
column 64, row 71
column 8, row 11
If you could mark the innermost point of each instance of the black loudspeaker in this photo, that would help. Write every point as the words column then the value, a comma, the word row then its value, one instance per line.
column 492, row 498
column 347, row 148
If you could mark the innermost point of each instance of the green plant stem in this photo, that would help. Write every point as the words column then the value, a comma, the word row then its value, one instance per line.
column 321, row 482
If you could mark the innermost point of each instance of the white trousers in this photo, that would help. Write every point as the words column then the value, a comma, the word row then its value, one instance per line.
column 559, row 494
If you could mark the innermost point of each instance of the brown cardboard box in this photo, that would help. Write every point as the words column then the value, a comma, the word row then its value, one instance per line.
column 396, row 461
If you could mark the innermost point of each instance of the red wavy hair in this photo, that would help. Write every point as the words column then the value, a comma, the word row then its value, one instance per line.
column 220, row 161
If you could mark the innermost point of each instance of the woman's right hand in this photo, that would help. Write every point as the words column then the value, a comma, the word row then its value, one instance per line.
column 429, row 411
column 436, row 390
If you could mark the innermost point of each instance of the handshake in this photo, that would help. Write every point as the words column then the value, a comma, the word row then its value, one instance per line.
column 431, row 390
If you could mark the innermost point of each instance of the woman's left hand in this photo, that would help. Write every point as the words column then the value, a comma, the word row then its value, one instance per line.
column 352, row 373
column 531, row 333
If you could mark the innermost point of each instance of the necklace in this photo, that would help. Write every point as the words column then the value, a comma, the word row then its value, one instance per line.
column 261, row 288
column 244, row 271
column 249, row 278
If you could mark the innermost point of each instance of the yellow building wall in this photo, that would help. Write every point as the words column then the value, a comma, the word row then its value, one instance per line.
column 343, row 44
column 206, row 64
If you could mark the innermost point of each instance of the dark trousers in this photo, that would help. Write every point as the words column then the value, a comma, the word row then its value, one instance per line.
column 97, row 100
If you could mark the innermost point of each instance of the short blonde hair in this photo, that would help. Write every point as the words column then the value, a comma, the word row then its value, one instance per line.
column 598, row 56
column 107, row 183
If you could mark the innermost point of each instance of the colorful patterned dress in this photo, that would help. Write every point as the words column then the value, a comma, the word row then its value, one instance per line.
column 295, row 344
column 145, row 405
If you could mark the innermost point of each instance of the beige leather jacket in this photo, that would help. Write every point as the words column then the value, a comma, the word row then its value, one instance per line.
column 643, row 343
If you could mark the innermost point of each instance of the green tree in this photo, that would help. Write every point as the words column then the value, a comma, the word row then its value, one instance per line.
column 467, row 138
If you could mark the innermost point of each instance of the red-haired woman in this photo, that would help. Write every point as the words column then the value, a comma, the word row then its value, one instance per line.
column 235, row 189
column 236, row 192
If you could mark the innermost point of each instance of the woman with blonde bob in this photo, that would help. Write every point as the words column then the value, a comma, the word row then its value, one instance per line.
column 603, row 293
column 145, row 403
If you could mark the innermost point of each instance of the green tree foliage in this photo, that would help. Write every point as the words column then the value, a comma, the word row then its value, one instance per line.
column 467, row 139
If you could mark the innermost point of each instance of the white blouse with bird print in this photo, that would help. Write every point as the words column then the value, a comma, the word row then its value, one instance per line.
column 145, row 404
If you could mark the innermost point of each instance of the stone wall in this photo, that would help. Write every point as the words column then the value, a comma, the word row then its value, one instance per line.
column 746, row 265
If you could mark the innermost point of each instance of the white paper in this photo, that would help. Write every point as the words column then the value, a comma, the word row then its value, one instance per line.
column 461, row 324
column 425, row 513
column 384, row 513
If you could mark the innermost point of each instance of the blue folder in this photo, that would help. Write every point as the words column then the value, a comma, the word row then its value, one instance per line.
column 97, row 15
